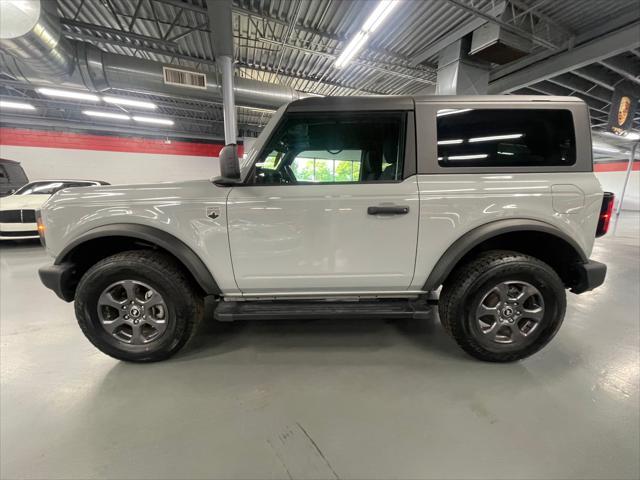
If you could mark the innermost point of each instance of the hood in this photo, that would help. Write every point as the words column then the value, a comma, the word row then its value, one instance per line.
column 23, row 202
column 163, row 192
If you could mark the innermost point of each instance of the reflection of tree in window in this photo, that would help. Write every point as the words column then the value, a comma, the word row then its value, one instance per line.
column 327, row 167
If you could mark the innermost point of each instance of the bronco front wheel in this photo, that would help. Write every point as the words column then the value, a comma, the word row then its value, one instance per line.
column 137, row 306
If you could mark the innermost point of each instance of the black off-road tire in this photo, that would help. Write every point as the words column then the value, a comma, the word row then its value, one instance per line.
column 161, row 272
column 463, row 291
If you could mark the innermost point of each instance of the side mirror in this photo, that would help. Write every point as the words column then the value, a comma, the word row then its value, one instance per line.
column 229, row 166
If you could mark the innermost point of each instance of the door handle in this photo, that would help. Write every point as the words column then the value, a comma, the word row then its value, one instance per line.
column 391, row 210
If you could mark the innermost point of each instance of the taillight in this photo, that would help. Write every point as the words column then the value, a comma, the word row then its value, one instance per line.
column 605, row 213
column 40, row 227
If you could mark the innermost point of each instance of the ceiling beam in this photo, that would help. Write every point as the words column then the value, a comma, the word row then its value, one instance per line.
column 629, row 69
column 597, row 76
column 114, row 31
column 586, row 54
column 607, row 25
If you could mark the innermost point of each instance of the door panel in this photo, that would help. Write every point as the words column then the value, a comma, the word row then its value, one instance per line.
column 315, row 238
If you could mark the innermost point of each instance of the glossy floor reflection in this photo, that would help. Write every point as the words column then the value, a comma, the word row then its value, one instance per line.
column 336, row 399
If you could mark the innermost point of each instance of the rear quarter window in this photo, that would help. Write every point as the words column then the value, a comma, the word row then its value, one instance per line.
column 505, row 138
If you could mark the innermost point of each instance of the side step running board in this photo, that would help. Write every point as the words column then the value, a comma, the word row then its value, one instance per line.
column 308, row 310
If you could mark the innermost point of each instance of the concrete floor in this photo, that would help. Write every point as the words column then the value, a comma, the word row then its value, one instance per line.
column 338, row 399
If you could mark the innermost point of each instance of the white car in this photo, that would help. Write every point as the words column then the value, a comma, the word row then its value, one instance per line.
column 18, row 211
column 349, row 207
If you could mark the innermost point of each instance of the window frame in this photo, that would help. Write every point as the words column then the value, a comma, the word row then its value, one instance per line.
column 408, row 147
column 427, row 141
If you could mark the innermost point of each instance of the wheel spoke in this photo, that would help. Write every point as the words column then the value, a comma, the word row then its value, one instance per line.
column 130, row 288
column 527, row 292
column 534, row 314
column 112, row 326
column 136, row 334
column 492, row 332
column 484, row 311
column 107, row 299
column 502, row 290
column 516, row 333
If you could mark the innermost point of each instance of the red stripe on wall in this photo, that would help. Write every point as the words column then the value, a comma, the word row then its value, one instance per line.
column 615, row 166
column 107, row 143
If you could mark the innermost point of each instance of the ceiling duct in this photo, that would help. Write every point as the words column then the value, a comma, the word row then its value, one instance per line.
column 492, row 43
column 39, row 54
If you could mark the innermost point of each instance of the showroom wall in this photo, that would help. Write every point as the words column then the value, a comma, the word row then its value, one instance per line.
column 51, row 155
column 611, row 177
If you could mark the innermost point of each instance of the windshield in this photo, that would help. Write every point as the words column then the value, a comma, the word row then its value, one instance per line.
column 48, row 188
column 250, row 156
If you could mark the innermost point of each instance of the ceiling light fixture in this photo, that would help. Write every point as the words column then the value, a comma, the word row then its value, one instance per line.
column 54, row 92
column 115, row 116
column 130, row 102
column 159, row 121
column 450, row 142
column 16, row 105
column 496, row 137
column 382, row 10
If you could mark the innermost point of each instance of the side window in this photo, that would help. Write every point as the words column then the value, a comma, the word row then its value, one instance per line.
column 334, row 148
column 505, row 138
column 4, row 178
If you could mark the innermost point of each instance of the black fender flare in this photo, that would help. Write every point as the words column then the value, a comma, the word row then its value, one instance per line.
column 475, row 237
column 155, row 236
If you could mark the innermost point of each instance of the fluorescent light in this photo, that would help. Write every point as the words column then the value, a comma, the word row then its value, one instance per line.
column 352, row 48
column 496, row 137
column 130, row 102
column 16, row 105
column 256, row 109
column 54, row 92
column 378, row 15
column 116, row 116
column 159, row 121
column 450, row 142
column 506, row 153
column 468, row 157
column 373, row 21
column 451, row 111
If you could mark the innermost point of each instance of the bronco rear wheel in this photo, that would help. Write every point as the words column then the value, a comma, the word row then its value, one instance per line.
column 137, row 306
column 503, row 306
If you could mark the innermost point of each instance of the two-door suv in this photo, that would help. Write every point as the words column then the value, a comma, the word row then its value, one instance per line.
column 356, row 206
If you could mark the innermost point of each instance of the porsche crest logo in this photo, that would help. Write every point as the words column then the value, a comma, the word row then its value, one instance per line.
column 623, row 109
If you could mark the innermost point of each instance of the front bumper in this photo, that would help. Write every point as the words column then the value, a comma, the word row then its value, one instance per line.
column 590, row 275
column 61, row 279
column 18, row 231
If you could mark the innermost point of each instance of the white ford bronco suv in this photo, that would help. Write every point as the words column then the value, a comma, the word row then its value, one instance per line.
column 344, row 207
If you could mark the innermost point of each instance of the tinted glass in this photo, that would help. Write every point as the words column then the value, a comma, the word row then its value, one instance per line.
column 505, row 138
column 334, row 148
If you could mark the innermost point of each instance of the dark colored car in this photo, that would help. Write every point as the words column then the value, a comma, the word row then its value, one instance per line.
column 12, row 177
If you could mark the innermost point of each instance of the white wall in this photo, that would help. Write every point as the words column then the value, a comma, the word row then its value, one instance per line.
column 113, row 167
column 613, row 182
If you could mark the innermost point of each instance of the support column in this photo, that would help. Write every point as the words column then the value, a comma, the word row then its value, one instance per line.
column 220, row 25
column 458, row 74
column 225, row 64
